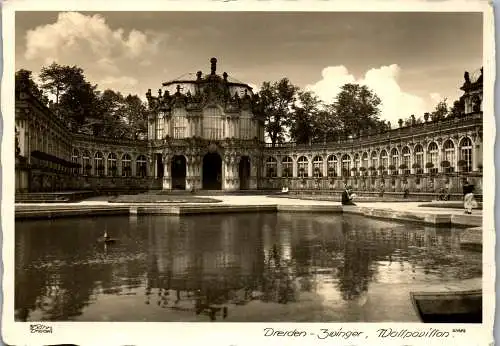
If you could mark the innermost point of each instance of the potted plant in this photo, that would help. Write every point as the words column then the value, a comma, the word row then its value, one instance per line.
column 403, row 166
column 392, row 167
column 462, row 164
column 445, row 164
column 429, row 165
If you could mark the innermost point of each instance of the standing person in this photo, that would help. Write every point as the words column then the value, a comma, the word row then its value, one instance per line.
column 468, row 191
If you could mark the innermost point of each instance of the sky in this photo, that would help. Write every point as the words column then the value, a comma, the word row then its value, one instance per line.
column 411, row 60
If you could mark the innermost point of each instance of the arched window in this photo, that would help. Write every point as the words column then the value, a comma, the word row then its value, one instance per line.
column 357, row 161
column 317, row 167
column 141, row 166
column 126, row 166
column 287, row 167
column 212, row 123
column 364, row 160
column 394, row 160
column 179, row 123
column 98, row 164
column 87, row 166
column 159, row 125
column 406, row 162
column 332, row 165
column 448, row 156
column 418, row 154
column 374, row 160
column 432, row 157
column 466, row 154
column 346, row 165
column 302, row 167
column 75, row 158
column 384, row 160
column 271, row 167
column 112, row 166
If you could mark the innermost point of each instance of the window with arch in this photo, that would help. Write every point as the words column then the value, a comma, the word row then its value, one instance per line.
column 179, row 123
column 317, row 167
column 364, row 161
column 418, row 155
column 346, row 165
column 212, row 123
column 374, row 163
column 357, row 161
column 448, row 156
column 432, row 157
column 466, row 154
column 332, row 163
column 99, row 164
column 271, row 167
column 287, row 167
column 384, row 160
column 394, row 160
column 406, row 160
column 112, row 165
column 126, row 166
column 159, row 125
column 87, row 166
column 75, row 158
column 141, row 166
column 302, row 167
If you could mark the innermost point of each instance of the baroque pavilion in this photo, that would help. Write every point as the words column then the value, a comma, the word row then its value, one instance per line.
column 206, row 131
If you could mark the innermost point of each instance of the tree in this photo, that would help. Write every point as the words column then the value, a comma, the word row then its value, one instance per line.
column 357, row 109
column 276, row 101
column 24, row 82
column 441, row 110
column 135, row 114
column 305, row 119
column 458, row 108
column 74, row 96
column 412, row 120
column 107, row 111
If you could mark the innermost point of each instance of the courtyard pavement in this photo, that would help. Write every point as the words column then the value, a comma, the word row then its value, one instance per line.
column 254, row 200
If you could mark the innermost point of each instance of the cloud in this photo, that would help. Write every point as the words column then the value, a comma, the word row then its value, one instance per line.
column 90, row 43
column 396, row 103
column 123, row 84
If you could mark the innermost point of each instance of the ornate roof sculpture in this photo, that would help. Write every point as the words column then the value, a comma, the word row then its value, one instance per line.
column 197, row 91
column 473, row 81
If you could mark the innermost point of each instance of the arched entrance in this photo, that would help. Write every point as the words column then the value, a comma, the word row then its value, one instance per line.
column 212, row 172
column 178, row 169
column 244, row 172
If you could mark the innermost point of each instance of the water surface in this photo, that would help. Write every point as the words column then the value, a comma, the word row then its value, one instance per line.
column 236, row 267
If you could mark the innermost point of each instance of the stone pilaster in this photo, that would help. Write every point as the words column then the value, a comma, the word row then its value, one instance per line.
column 167, row 179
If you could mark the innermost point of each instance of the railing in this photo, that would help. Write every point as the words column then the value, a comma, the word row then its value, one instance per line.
column 433, row 126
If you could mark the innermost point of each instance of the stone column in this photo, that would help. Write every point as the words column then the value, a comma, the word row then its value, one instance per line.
column 167, row 181
column 254, row 165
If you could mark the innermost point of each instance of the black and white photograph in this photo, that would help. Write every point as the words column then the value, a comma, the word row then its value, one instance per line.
column 236, row 168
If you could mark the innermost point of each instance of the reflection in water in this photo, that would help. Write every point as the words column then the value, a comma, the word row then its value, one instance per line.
column 215, row 267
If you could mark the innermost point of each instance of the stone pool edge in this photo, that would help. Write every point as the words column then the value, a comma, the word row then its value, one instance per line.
column 421, row 217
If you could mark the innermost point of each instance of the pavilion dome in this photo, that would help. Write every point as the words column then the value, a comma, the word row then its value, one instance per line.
column 196, row 82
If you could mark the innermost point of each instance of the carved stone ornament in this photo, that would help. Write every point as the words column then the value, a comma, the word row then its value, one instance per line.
column 212, row 148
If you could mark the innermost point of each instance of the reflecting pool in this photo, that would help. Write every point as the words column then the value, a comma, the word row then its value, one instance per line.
column 233, row 267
